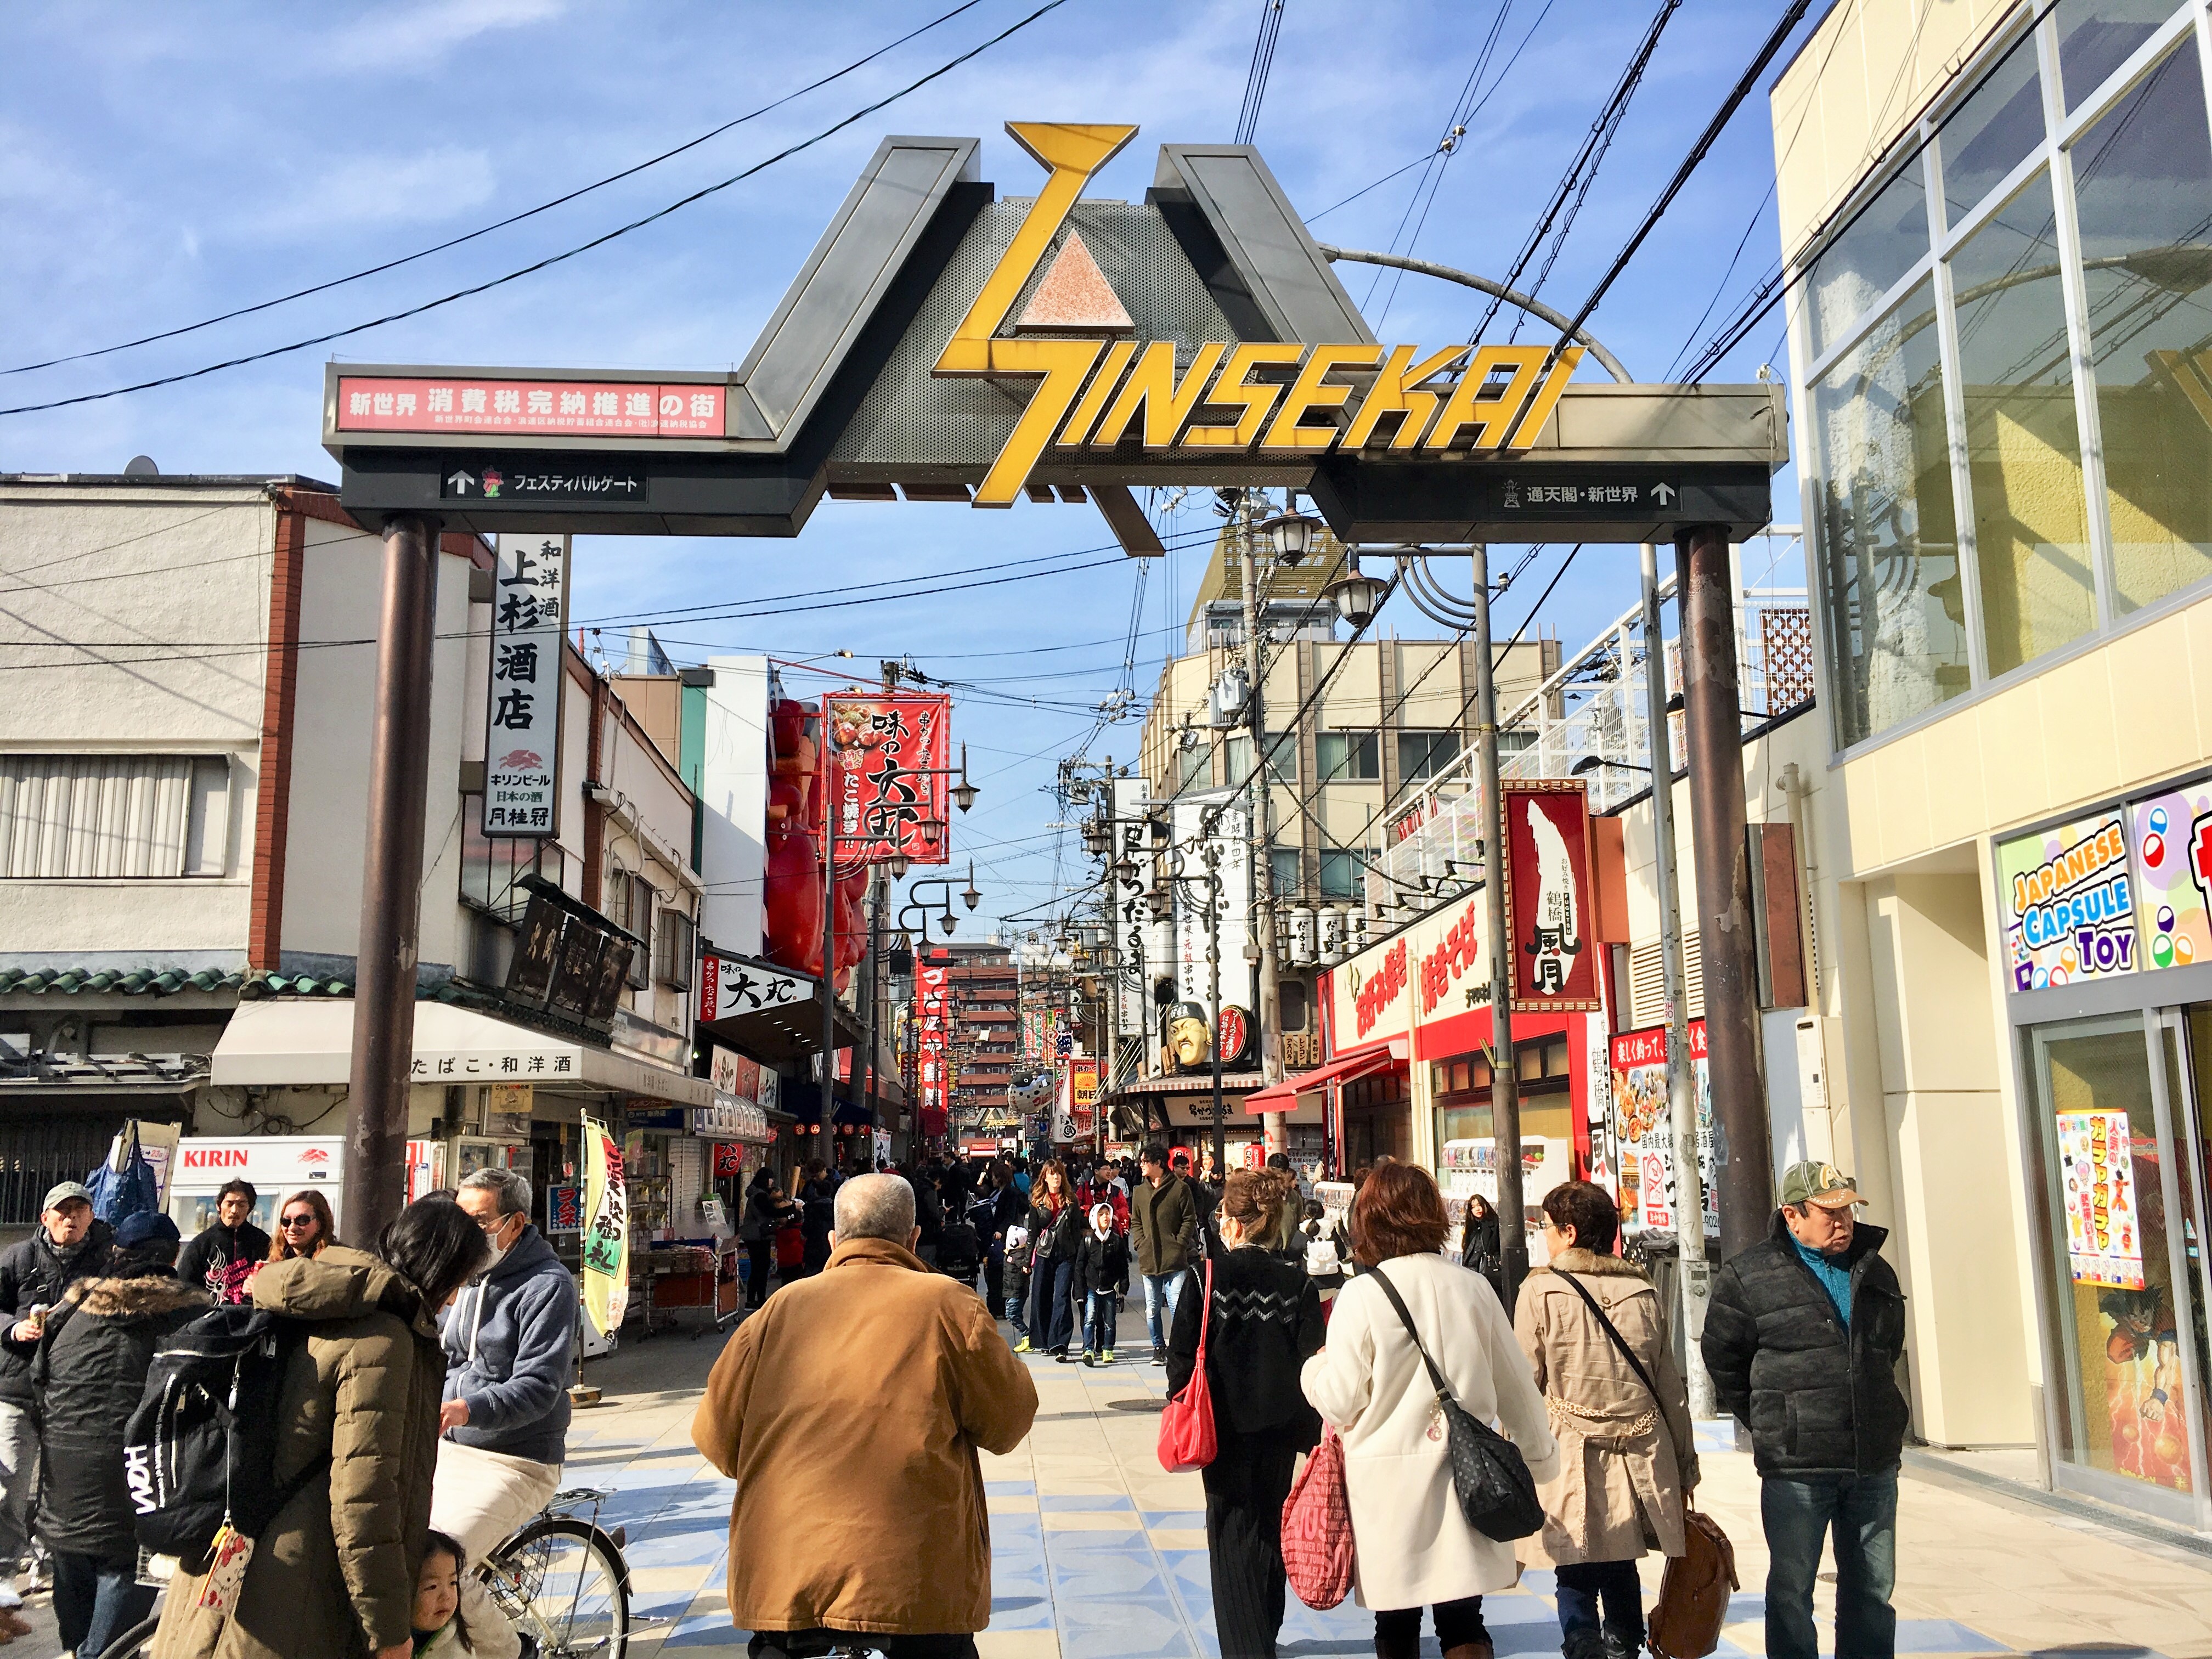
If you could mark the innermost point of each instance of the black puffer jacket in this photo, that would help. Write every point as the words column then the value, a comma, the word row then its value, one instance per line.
column 1266, row 1324
column 90, row 1370
column 31, row 1272
column 1820, row 1400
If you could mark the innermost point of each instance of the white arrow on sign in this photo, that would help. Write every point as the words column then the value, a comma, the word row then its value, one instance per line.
column 1665, row 493
column 460, row 482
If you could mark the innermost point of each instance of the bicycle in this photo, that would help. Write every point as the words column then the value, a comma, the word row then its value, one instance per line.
column 559, row 1579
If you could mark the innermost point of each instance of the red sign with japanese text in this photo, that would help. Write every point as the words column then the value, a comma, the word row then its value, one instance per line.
column 885, row 760
column 933, row 1022
column 599, row 408
column 1552, row 963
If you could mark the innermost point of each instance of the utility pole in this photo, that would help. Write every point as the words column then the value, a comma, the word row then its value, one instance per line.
column 1696, row 1289
column 1504, row 1078
column 1262, row 908
column 1212, row 856
column 1111, row 963
column 375, row 1184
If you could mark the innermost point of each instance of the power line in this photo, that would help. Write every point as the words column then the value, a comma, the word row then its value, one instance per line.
column 1263, row 63
column 531, row 269
column 500, row 224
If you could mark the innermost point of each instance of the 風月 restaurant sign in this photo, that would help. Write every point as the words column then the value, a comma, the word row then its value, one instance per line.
column 522, row 733
column 2122, row 889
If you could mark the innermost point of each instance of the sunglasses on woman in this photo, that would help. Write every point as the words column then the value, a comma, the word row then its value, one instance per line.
column 305, row 1219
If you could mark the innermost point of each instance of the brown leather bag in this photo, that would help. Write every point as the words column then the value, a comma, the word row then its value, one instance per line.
column 1694, row 1594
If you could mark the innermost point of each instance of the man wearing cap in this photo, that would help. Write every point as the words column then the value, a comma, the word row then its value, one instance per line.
column 67, row 1246
column 1802, row 1338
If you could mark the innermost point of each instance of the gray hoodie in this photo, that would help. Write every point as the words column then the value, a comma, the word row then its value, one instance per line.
column 510, row 1342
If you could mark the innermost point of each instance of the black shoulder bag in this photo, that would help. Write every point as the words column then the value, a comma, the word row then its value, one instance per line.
column 1497, row 1493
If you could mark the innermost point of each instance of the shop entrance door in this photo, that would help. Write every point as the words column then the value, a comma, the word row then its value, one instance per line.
column 2123, row 1260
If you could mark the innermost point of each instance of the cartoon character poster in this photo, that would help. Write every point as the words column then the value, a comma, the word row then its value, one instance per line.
column 2104, row 1233
column 2069, row 902
column 2173, row 865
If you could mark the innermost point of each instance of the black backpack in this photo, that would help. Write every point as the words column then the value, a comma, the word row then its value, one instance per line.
column 201, row 1448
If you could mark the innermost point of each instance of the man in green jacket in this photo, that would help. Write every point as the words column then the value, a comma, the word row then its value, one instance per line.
column 1164, row 1218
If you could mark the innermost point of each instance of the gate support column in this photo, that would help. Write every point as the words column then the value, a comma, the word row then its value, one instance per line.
column 375, row 1187
column 1712, row 713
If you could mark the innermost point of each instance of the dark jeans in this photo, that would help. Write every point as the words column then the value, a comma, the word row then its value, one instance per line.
column 1797, row 1515
column 994, row 1279
column 1457, row 1623
column 1098, row 1322
column 95, row 1600
column 759, row 1256
column 1582, row 1583
column 1052, row 1305
column 813, row 1644
column 1017, row 1315
column 1245, row 1487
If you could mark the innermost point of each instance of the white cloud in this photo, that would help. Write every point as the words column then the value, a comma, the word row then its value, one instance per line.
column 418, row 37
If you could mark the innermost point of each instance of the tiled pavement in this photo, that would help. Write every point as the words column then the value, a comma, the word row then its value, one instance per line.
column 1097, row 1554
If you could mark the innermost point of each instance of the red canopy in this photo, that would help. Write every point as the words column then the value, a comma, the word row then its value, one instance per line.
column 1283, row 1096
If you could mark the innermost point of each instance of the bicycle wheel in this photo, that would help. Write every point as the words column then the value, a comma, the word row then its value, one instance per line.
column 135, row 1642
column 563, row 1581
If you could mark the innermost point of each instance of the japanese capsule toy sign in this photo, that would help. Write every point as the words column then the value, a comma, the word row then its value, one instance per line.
column 522, row 702
column 2104, row 1236
column 606, row 1231
column 2070, row 903
column 2174, row 874
column 885, row 760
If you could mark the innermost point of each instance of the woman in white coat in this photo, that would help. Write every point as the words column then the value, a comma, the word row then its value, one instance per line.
column 1411, row 1545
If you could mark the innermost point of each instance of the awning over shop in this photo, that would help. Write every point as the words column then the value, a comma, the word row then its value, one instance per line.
column 1201, row 1082
column 1283, row 1096
column 765, row 1012
column 312, row 1042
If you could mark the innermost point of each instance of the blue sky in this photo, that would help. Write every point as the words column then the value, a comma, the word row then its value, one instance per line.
column 168, row 163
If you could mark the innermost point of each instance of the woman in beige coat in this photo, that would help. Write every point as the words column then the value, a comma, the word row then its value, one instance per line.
column 1628, row 1461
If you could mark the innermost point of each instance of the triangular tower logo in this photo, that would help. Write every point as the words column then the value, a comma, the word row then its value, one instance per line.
column 1075, row 297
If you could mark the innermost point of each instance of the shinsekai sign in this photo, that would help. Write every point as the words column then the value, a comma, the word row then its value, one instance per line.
column 941, row 344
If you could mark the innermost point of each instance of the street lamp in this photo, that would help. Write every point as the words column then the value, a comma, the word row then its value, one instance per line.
column 970, row 896
column 1356, row 596
column 1290, row 535
column 963, row 792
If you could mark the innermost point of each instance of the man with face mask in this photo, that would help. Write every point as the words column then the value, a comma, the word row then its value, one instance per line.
column 510, row 1343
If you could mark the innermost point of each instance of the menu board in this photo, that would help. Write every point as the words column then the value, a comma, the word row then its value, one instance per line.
column 1643, row 1129
column 2104, row 1239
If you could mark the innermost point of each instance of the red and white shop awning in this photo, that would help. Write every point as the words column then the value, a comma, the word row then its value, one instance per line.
column 1344, row 1068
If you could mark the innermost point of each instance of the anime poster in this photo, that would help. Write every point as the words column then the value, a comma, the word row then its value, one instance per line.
column 606, row 1231
column 1644, row 1131
column 886, row 764
column 2104, row 1234
column 2069, row 903
column 2173, row 872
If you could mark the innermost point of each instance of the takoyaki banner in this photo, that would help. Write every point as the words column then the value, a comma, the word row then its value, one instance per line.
column 943, row 344
column 886, row 772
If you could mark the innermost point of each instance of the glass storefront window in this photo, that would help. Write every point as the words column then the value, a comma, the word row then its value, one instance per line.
column 1992, row 132
column 2123, row 1407
column 2142, row 181
column 1869, row 258
column 2095, row 37
column 2023, row 446
column 1888, row 539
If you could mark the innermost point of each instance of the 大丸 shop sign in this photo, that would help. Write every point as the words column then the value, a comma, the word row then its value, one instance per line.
column 523, row 694
column 1552, row 968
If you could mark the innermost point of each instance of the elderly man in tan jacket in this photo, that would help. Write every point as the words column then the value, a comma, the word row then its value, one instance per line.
column 848, row 1410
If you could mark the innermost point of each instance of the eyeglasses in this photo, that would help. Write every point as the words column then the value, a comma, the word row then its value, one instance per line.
column 305, row 1219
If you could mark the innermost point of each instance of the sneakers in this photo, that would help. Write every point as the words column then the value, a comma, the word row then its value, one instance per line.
column 1618, row 1646
column 1159, row 1356
column 1089, row 1358
column 1063, row 1356
column 1023, row 1346
column 1106, row 1357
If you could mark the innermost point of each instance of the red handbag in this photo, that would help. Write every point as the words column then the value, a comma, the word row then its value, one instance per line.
column 1187, row 1438
column 1317, row 1527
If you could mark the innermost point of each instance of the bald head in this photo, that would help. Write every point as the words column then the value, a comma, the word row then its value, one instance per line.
column 876, row 1207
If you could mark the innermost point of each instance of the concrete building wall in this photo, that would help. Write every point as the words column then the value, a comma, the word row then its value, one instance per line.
column 734, row 793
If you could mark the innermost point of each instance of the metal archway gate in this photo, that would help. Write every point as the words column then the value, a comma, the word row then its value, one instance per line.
column 940, row 344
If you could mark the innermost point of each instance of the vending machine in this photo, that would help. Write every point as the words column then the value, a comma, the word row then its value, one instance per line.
column 277, row 1166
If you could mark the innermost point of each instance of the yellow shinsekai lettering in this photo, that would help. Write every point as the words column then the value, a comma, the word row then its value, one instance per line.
column 1395, row 392
column 1086, row 413
column 1235, row 388
column 1310, row 392
column 1491, row 418
column 1064, row 363
column 1547, row 399
column 1167, row 401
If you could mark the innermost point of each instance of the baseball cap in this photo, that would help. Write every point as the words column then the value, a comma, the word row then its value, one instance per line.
column 1823, row 1184
column 144, row 1229
column 61, row 1192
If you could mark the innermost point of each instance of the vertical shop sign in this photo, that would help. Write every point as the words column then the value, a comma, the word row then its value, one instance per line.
column 606, row 1231
column 885, row 770
column 1552, row 965
column 1643, row 1131
column 2069, row 903
column 934, row 1060
column 2103, row 1240
column 1083, row 1091
column 2173, row 872
column 527, row 682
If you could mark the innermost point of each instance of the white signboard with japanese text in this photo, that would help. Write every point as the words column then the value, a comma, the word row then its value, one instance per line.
column 730, row 985
column 1193, row 819
column 522, row 744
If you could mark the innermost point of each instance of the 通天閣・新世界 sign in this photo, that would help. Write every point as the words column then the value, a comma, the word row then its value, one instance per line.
column 942, row 345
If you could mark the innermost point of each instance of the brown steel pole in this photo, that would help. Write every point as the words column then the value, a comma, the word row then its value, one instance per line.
column 375, row 1187
column 1505, row 1076
column 1713, row 717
